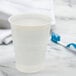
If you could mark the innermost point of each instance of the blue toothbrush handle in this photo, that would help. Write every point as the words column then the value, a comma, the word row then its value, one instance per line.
column 71, row 44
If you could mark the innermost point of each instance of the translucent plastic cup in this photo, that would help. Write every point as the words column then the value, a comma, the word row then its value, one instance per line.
column 30, row 35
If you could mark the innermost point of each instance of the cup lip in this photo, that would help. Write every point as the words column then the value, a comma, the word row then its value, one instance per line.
column 10, row 20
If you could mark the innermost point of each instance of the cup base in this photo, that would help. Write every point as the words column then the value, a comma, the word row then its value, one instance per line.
column 30, row 69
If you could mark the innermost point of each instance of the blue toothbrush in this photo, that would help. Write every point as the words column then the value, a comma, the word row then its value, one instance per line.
column 56, row 39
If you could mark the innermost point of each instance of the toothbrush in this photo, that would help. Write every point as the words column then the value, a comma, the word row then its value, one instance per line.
column 56, row 39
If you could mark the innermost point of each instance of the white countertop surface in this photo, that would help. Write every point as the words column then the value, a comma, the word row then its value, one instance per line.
column 60, row 62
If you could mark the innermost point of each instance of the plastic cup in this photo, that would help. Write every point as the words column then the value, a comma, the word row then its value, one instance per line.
column 30, row 35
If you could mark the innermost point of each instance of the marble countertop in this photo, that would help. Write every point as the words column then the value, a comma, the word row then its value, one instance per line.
column 60, row 62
